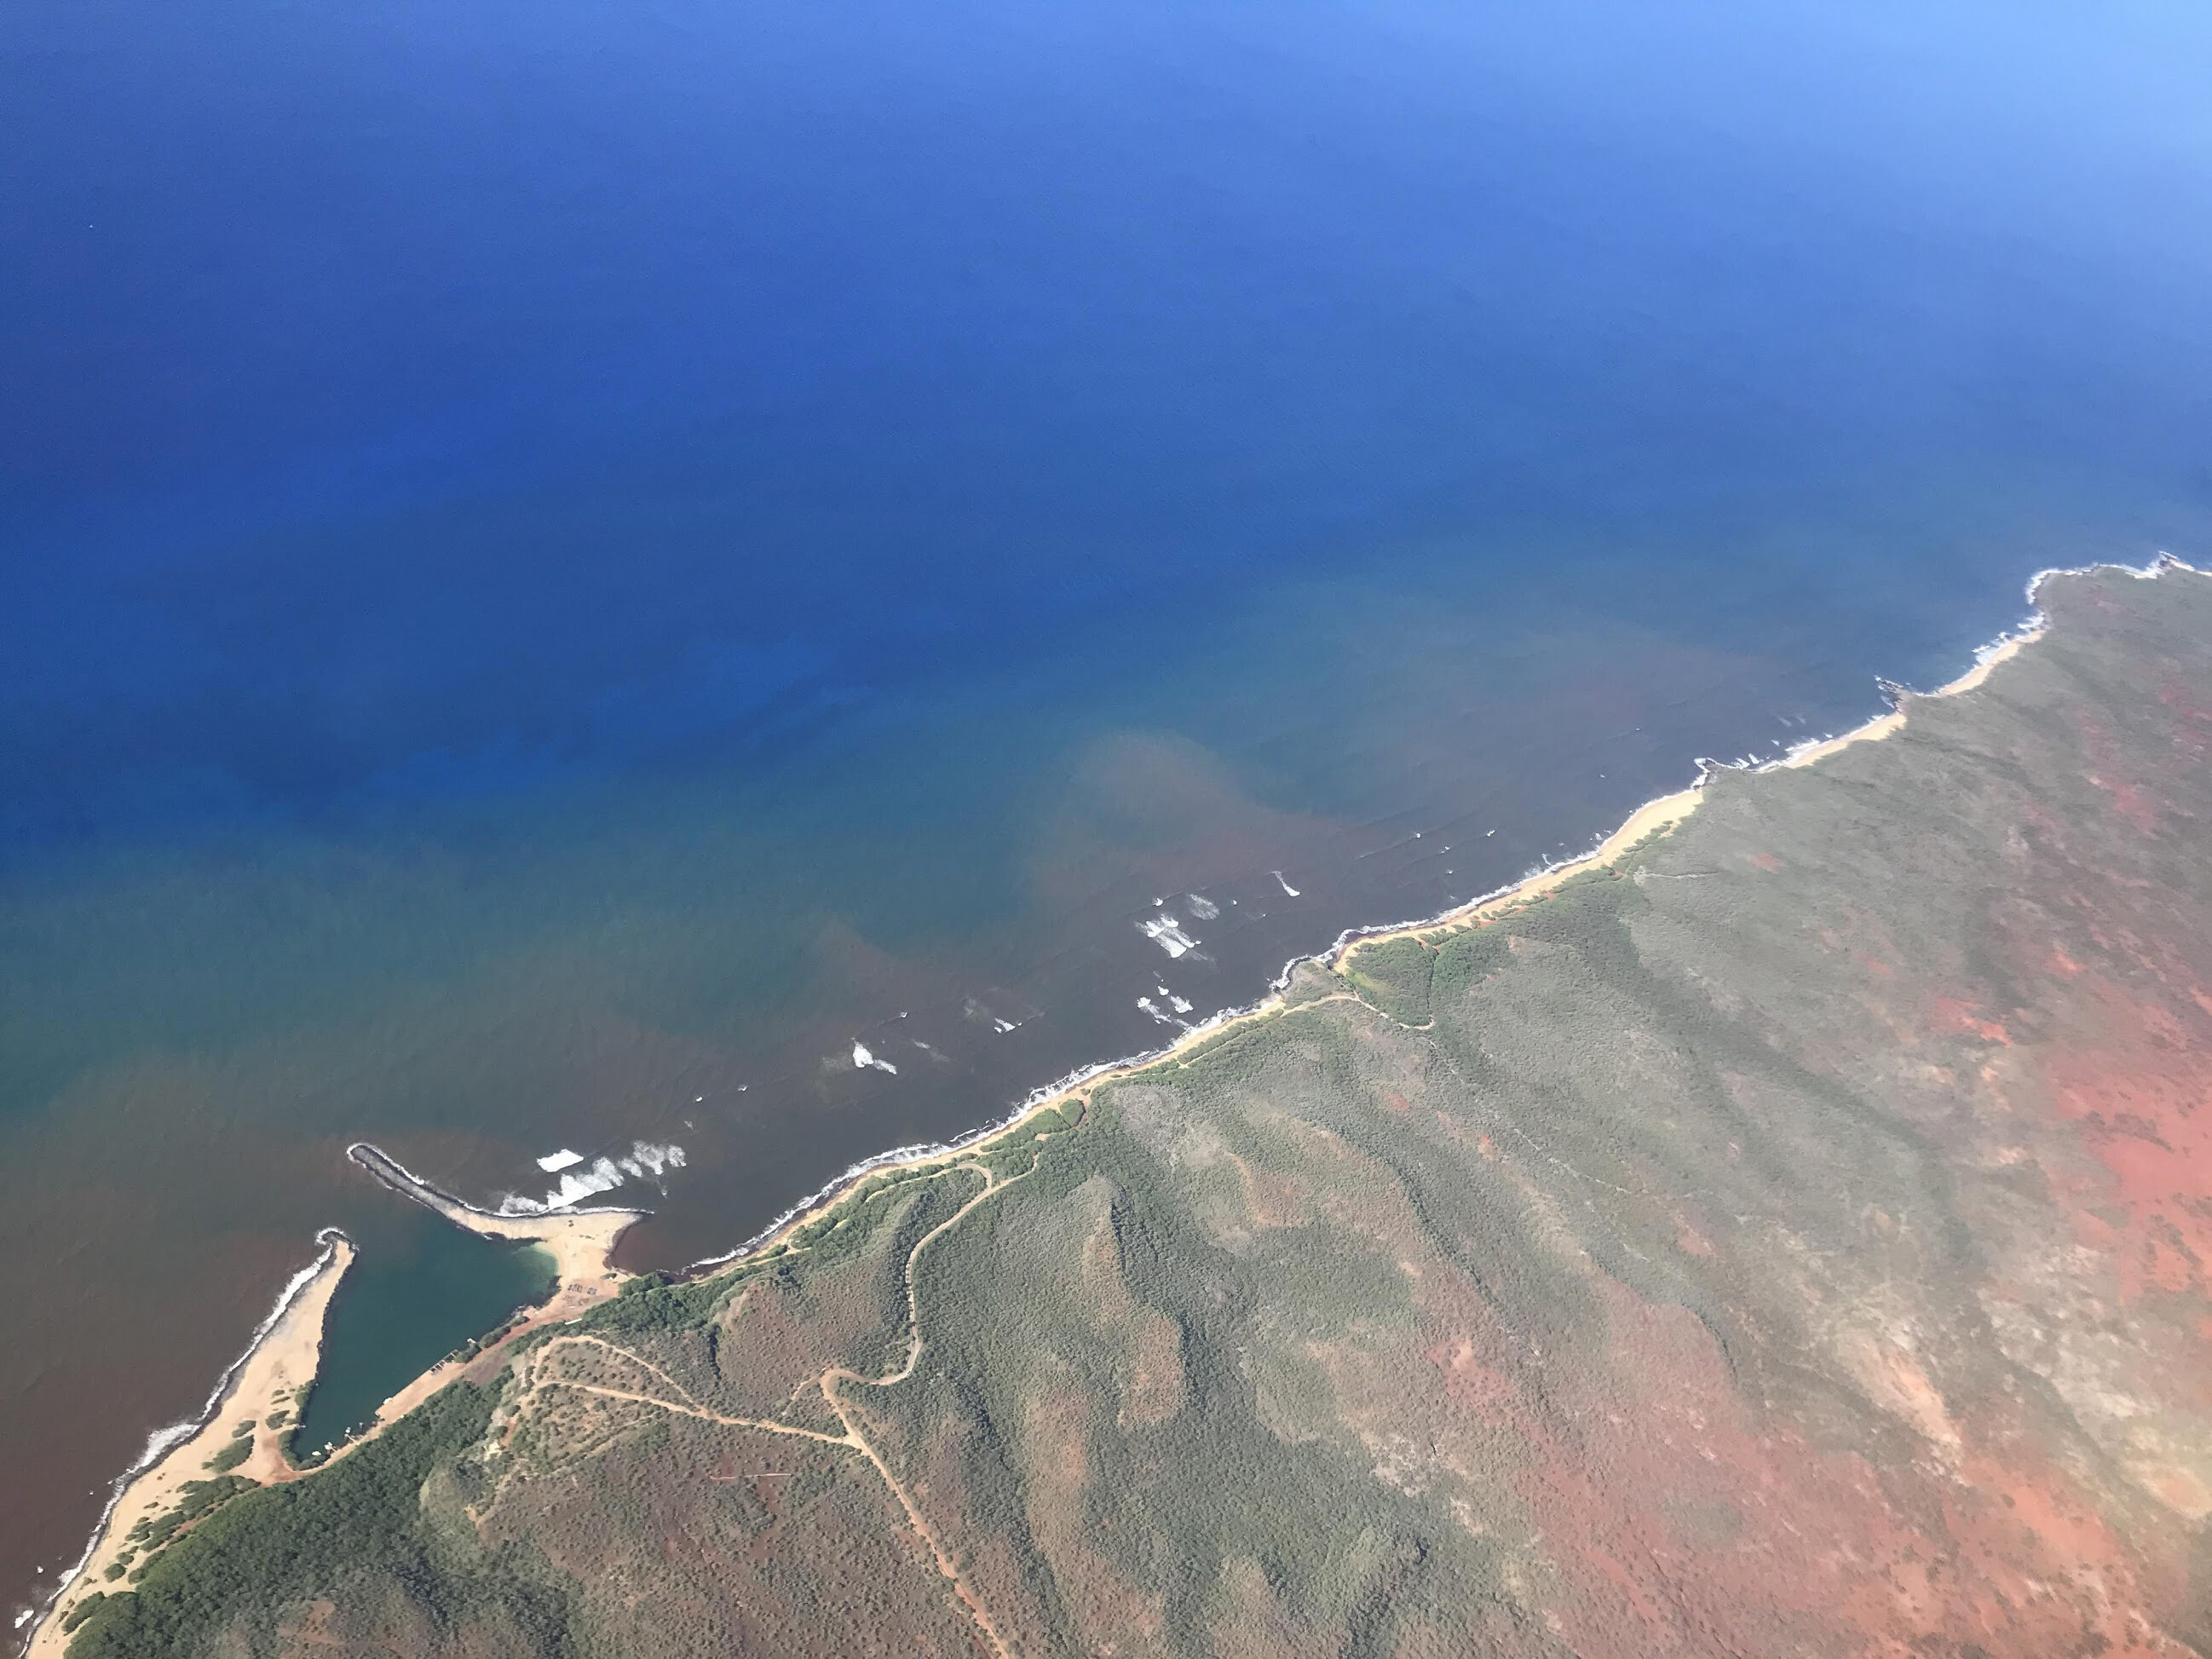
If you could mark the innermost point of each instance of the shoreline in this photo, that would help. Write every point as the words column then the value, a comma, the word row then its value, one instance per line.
column 280, row 1360
column 582, row 1241
column 1660, row 812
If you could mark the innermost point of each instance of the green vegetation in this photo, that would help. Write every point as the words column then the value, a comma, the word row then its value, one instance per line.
column 268, row 1547
column 1614, row 1276
column 650, row 1302
column 194, row 1500
column 1394, row 975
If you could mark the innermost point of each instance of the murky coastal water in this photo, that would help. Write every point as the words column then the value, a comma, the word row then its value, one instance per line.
column 421, row 1295
column 717, row 592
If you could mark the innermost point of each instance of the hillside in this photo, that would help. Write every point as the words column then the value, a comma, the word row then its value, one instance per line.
column 1791, row 1238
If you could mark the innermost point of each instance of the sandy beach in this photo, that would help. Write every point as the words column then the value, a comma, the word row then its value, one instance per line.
column 581, row 1241
column 269, row 1377
column 1669, row 810
column 266, row 1381
column 1649, row 819
column 578, row 1241
column 1874, row 730
column 1654, row 817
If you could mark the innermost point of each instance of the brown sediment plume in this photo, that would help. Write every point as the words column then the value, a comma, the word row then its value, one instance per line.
column 263, row 1390
column 580, row 1241
column 1655, row 818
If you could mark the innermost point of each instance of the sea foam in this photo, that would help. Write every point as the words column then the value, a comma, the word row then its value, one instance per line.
column 645, row 1160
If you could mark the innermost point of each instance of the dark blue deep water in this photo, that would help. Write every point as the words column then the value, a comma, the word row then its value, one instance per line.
column 566, row 562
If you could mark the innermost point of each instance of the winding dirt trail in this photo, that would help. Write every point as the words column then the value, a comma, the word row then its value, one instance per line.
column 686, row 1404
column 702, row 1412
column 837, row 1374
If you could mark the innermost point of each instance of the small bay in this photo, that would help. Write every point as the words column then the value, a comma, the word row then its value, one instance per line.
column 424, row 1288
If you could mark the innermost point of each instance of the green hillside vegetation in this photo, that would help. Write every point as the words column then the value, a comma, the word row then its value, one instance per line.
column 1791, row 1238
column 362, row 1524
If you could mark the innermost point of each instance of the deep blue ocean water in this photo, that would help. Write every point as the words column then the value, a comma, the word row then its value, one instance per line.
column 566, row 564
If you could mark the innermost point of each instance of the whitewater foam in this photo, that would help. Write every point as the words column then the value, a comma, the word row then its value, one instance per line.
column 644, row 1161
column 1167, row 933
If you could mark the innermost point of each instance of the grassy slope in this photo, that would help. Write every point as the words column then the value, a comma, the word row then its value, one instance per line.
column 1792, row 1240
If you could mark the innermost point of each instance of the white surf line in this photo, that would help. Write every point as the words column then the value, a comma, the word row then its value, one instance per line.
column 428, row 1193
column 161, row 1441
column 2023, row 632
column 921, row 1152
column 927, row 1151
column 401, row 1179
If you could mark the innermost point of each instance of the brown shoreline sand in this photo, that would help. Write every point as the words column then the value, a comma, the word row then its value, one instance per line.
column 269, row 1380
column 1654, row 817
column 285, row 1361
column 582, row 1242
column 1874, row 730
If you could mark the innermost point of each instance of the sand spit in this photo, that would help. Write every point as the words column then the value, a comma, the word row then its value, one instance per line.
column 578, row 1241
column 266, row 1379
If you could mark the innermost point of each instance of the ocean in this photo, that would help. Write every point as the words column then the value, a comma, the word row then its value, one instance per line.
column 725, row 589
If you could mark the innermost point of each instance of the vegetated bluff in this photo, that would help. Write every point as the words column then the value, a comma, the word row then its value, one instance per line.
column 1792, row 1240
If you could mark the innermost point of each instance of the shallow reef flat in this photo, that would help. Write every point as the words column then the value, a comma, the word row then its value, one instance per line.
column 1790, row 1236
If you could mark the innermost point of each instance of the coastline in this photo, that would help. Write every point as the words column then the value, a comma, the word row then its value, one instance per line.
column 2001, row 649
column 582, row 1241
column 267, row 1377
column 1656, row 816
column 284, row 1357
